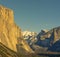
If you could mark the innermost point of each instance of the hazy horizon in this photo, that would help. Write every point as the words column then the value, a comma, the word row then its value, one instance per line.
column 34, row 15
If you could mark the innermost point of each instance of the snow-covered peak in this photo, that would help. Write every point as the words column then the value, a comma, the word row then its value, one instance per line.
column 28, row 33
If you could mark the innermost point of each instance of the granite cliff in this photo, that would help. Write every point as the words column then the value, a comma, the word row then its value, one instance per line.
column 9, row 31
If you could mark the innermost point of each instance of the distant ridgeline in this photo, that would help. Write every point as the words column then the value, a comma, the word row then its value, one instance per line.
column 49, row 40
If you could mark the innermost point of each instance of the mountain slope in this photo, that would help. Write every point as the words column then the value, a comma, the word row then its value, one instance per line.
column 6, row 52
column 23, row 46
column 50, row 39
column 29, row 36
column 55, row 47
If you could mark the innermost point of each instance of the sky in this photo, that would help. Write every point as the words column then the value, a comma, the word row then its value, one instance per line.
column 35, row 15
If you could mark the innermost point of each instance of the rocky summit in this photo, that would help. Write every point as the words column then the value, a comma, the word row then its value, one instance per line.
column 10, row 33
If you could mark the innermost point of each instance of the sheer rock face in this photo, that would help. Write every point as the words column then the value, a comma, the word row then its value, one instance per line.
column 6, row 14
column 9, row 31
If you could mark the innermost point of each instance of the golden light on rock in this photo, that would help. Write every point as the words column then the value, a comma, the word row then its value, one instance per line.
column 9, row 31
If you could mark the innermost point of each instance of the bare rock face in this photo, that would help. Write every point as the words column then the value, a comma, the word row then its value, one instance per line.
column 9, row 31
column 6, row 52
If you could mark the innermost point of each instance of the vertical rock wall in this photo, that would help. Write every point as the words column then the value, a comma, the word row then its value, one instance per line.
column 9, row 31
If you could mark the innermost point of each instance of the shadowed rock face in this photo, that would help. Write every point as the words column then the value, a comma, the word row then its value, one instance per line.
column 51, row 40
column 55, row 47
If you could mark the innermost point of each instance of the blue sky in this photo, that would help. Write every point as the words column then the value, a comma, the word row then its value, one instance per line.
column 35, row 15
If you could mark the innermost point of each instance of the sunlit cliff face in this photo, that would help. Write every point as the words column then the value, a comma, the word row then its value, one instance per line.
column 9, row 31
column 6, row 14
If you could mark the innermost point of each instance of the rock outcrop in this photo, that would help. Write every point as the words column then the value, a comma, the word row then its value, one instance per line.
column 9, row 31
column 30, row 37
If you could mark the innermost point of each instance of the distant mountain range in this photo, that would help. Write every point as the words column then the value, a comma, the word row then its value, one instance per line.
column 50, row 39
column 30, row 37
column 47, row 40
column 29, row 33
